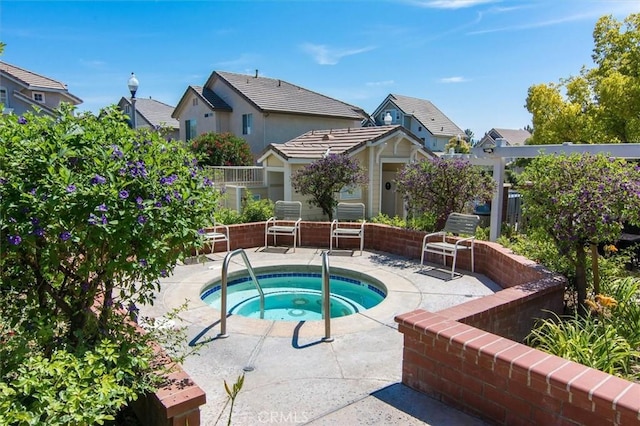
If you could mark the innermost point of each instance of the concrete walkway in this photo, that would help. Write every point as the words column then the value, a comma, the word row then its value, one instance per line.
column 291, row 375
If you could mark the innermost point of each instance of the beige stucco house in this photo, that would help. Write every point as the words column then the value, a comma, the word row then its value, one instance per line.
column 152, row 114
column 420, row 117
column 504, row 137
column 260, row 110
column 22, row 90
column 381, row 150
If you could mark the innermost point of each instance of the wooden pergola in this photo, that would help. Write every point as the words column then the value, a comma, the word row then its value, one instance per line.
column 496, row 157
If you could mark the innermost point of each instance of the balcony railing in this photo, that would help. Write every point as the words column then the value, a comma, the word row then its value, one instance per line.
column 236, row 175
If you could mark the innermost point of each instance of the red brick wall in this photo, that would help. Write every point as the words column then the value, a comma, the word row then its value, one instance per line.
column 506, row 382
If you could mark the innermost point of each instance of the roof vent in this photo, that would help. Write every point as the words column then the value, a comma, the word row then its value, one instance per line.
column 256, row 73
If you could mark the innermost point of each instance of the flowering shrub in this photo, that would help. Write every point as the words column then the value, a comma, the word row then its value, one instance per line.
column 443, row 186
column 323, row 179
column 580, row 200
column 221, row 149
column 93, row 213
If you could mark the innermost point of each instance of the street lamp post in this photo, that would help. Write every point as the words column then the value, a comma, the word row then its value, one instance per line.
column 133, row 88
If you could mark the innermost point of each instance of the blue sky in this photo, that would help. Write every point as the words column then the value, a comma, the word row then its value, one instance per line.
column 474, row 59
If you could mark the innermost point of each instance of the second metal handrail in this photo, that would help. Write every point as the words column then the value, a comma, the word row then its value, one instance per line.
column 223, row 289
column 326, row 298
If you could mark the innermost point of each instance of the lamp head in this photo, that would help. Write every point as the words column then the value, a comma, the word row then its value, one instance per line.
column 133, row 85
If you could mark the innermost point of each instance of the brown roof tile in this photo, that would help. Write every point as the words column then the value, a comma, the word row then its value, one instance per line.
column 274, row 95
column 314, row 144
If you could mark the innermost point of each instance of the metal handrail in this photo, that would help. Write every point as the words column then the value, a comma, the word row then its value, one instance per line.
column 326, row 298
column 223, row 289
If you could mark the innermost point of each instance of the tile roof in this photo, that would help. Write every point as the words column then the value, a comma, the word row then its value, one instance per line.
column 214, row 101
column 426, row 113
column 515, row 137
column 35, row 81
column 274, row 95
column 155, row 112
column 314, row 144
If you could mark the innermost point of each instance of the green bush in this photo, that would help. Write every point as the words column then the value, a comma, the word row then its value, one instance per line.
column 221, row 149
column 93, row 214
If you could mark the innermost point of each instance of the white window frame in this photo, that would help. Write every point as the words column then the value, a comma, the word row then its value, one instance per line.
column 4, row 96
column 247, row 123
column 35, row 94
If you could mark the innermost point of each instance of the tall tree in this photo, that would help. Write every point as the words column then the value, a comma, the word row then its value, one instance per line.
column 587, row 108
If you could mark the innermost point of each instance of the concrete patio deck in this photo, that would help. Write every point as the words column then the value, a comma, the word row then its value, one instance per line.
column 291, row 375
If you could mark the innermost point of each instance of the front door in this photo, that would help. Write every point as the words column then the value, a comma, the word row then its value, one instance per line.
column 389, row 195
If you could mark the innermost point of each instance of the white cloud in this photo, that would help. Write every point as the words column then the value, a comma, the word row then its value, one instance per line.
column 243, row 60
column 325, row 55
column 450, row 4
column 455, row 79
column 380, row 83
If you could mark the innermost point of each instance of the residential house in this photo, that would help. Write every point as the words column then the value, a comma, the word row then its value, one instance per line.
column 504, row 137
column 421, row 118
column 260, row 110
column 152, row 114
column 22, row 90
column 382, row 151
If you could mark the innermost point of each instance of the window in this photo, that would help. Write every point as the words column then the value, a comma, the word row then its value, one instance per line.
column 191, row 129
column 351, row 193
column 194, row 102
column 247, row 122
column 127, row 109
column 4, row 100
column 38, row 97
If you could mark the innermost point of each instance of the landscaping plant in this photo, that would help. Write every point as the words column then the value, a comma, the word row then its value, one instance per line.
column 221, row 149
column 580, row 200
column 323, row 180
column 93, row 214
column 443, row 186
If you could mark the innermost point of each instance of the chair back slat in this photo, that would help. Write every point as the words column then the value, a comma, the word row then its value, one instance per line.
column 458, row 223
column 288, row 210
column 350, row 212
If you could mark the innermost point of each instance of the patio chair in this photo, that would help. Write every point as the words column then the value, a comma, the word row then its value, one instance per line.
column 457, row 224
column 218, row 232
column 348, row 222
column 285, row 221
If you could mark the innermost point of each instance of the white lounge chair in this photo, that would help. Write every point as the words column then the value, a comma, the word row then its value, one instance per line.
column 348, row 222
column 218, row 232
column 285, row 221
column 457, row 224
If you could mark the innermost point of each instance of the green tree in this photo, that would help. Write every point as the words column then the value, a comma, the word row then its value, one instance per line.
column 587, row 108
column 443, row 186
column 459, row 145
column 92, row 214
column 323, row 180
column 580, row 200
column 221, row 149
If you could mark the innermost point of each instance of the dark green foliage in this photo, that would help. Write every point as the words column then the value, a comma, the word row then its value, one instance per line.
column 221, row 149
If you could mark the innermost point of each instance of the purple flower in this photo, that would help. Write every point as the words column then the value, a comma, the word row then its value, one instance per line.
column 124, row 194
column 39, row 232
column 2, row 181
column 158, row 204
column 117, row 153
column 201, row 231
column 103, row 219
column 35, row 221
column 22, row 120
column 142, row 220
column 143, row 262
column 15, row 239
column 64, row 236
column 168, row 180
column 92, row 219
column 163, row 273
column 71, row 188
column 102, row 208
column 98, row 180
